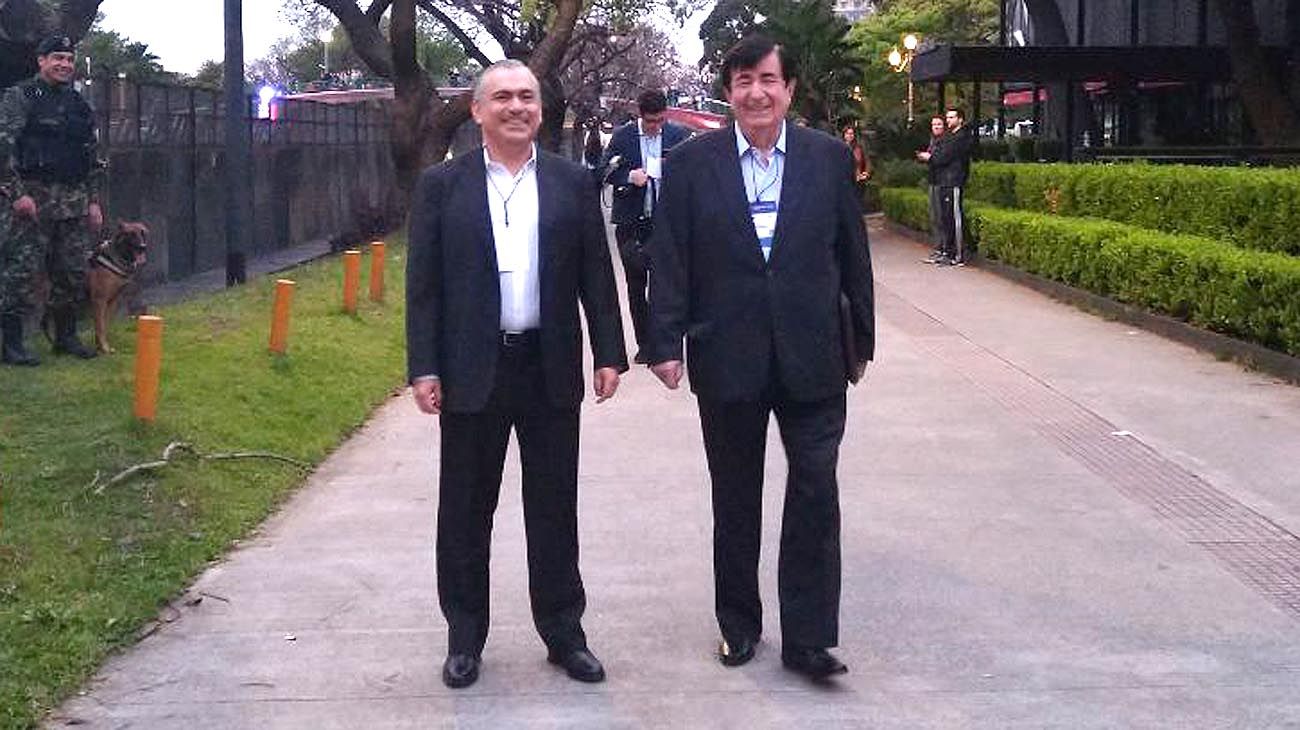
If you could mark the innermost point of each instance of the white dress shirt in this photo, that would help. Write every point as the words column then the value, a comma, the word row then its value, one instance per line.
column 652, row 161
column 513, row 205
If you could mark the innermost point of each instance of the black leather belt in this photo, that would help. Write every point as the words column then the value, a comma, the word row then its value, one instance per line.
column 520, row 339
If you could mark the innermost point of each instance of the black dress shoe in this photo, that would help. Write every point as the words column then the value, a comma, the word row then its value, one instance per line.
column 460, row 670
column 813, row 663
column 580, row 664
column 735, row 652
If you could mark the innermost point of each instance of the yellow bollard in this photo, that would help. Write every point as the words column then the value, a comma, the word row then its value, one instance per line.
column 148, row 365
column 351, row 280
column 377, row 271
column 280, row 316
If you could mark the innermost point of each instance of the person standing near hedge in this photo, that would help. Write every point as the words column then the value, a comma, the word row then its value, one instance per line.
column 937, row 130
column 949, row 160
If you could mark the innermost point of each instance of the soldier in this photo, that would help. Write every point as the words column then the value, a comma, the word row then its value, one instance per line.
column 49, row 175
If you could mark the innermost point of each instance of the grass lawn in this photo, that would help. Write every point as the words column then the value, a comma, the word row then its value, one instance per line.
column 80, row 573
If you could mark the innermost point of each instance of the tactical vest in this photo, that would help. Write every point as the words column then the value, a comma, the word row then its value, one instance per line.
column 57, row 145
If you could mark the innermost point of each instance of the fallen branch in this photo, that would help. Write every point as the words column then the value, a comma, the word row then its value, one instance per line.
column 176, row 446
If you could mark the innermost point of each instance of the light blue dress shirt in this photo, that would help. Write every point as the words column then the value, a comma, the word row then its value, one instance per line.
column 762, row 184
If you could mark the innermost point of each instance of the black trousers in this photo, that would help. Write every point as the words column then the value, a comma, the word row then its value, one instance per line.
column 808, row 569
column 952, row 222
column 631, row 239
column 473, row 453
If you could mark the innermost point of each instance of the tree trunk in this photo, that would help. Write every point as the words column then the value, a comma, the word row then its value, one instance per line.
column 1264, row 94
column 554, row 107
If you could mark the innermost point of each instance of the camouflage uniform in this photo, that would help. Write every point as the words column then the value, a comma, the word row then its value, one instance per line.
column 59, row 241
column 48, row 153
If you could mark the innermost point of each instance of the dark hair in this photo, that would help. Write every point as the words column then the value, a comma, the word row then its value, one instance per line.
column 749, row 52
column 958, row 111
column 651, row 102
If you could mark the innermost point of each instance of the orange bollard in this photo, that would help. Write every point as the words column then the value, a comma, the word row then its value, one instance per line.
column 377, row 271
column 148, row 365
column 351, row 280
column 280, row 316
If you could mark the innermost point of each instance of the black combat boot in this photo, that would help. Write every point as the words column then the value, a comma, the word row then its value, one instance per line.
column 15, row 353
column 65, row 335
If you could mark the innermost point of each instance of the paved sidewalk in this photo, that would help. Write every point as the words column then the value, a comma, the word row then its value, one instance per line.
column 1050, row 520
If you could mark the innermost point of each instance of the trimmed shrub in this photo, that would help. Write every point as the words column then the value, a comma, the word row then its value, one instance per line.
column 889, row 173
column 1251, row 295
column 1250, row 208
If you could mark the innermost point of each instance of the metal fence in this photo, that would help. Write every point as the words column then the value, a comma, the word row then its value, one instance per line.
column 317, row 167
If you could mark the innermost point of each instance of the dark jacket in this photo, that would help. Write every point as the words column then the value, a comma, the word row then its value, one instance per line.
column 453, row 292
column 629, row 200
column 950, row 158
column 747, row 321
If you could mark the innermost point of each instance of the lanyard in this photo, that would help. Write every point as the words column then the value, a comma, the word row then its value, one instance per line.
column 753, row 173
column 505, row 199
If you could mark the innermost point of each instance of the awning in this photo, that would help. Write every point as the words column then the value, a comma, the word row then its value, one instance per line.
column 1045, row 64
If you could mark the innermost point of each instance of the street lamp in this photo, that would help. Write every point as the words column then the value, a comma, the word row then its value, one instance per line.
column 326, row 36
column 901, row 61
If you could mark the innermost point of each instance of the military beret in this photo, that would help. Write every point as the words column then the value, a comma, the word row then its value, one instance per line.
column 55, row 44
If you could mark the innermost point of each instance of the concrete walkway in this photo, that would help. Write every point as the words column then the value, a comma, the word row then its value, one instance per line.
column 1050, row 520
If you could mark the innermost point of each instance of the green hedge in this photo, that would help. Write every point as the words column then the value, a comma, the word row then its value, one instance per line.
column 1250, row 208
column 1251, row 295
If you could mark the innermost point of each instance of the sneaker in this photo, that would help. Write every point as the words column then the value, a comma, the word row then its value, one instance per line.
column 934, row 258
column 944, row 261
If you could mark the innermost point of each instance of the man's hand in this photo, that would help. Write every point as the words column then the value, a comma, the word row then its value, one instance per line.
column 94, row 218
column 605, row 384
column 638, row 177
column 923, row 156
column 428, row 395
column 25, row 207
column 669, row 373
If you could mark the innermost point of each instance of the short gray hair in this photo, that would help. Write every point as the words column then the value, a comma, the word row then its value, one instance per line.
column 506, row 65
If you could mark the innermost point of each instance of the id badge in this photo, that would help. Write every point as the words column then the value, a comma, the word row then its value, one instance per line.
column 763, row 212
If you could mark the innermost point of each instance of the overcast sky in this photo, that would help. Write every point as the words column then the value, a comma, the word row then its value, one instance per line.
column 185, row 33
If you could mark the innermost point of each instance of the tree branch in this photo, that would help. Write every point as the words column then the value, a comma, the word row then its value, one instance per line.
column 377, row 9
column 471, row 48
column 364, row 35
column 547, row 54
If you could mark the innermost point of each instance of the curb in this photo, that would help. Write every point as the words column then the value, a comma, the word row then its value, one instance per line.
column 1223, row 347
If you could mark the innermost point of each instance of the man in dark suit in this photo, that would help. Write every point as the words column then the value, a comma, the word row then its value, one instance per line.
column 640, row 147
column 504, row 243
column 758, row 237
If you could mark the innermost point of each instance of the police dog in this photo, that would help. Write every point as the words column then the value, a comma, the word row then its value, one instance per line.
column 112, row 266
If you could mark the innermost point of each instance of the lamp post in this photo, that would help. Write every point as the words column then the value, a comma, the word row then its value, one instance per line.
column 326, row 36
column 901, row 61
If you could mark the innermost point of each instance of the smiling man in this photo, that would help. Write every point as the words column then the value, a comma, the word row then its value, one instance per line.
column 504, row 243
column 49, row 177
column 758, row 238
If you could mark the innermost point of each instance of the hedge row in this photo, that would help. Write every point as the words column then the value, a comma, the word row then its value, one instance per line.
column 1250, row 208
column 1251, row 295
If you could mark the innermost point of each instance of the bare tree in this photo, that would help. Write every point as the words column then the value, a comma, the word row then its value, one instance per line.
column 600, row 62
column 422, row 123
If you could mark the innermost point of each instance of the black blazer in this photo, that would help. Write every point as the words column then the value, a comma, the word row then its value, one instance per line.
column 453, row 291
column 629, row 200
column 747, row 321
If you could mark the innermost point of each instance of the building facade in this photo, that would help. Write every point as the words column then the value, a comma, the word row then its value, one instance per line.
column 1126, row 73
